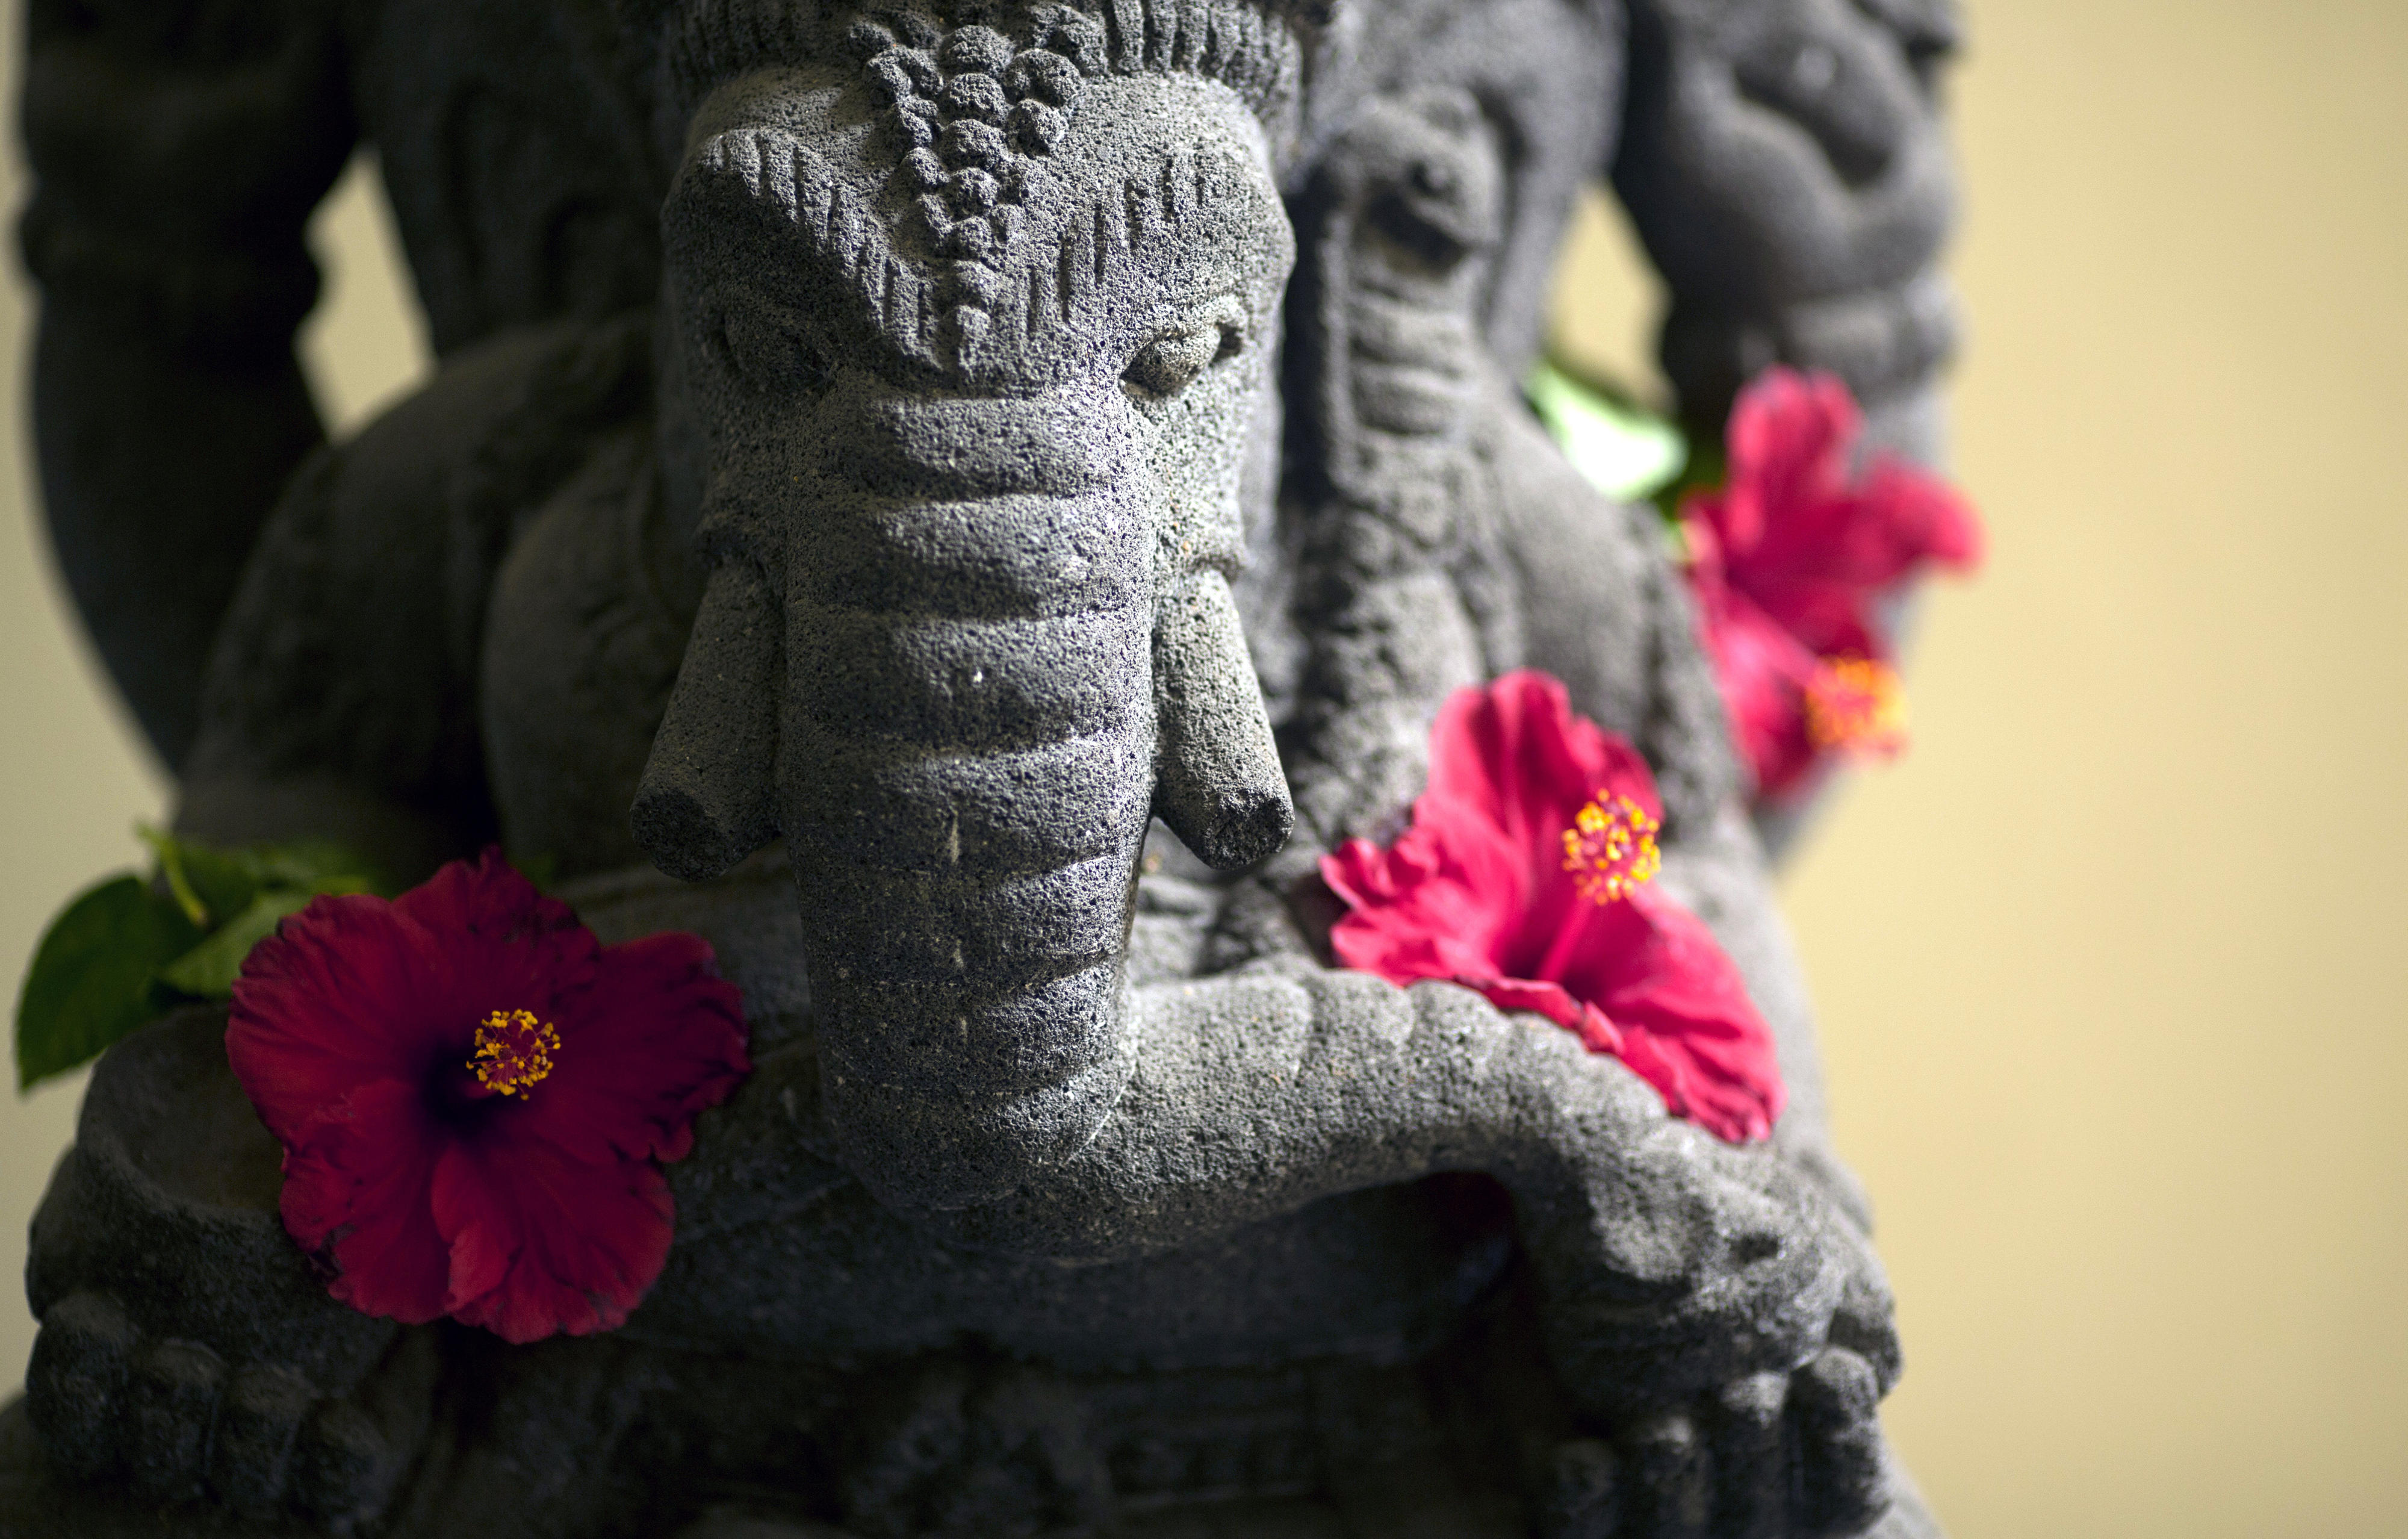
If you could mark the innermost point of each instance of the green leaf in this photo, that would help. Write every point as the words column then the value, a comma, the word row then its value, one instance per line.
column 170, row 857
column 89, row 982
column 209, row 969
column 226, row 880
column 320, row 865
column 1705, row 471
column 1624, row 452
column 124, row 953
column 209, row 884
column 214, row 884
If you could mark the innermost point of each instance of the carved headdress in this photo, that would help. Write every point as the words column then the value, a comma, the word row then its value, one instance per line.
column 946, row 220
column 1251, row 46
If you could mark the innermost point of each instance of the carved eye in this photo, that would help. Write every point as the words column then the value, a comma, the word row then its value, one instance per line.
column 760, row 344
column 1170, row 365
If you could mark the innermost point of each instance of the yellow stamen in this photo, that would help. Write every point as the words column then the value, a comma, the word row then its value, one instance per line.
column 513, row 1051
column 1857, row 704
column 1611, row 847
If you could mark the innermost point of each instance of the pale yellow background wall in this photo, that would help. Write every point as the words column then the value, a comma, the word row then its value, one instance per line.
column 2109, row 964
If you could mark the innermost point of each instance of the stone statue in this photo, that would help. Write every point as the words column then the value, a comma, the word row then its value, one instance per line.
column 980, row 494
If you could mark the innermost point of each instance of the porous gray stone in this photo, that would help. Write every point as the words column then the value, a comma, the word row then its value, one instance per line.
column 982, row 495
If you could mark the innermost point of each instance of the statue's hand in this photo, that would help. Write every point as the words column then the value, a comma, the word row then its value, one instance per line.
column 1730, row 1334
column 187, row 1347
column 1768, row 1456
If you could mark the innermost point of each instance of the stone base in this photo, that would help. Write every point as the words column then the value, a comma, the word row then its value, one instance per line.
column 1405, row 1505
column 1400, row 1505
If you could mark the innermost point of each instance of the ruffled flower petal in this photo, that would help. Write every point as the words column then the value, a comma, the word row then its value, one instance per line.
column 357, row 1184
column 330, row 1002
column 1787, row 447
column 1791, row 556
column 1514, row 755
column 1764, row 675
column 1418, row 912
column 543, row 1244
column 1687, row 1024
column 521, row 949
column 1481, row 890
column 654, row 1040
column 489, row 899
column 373, row 1036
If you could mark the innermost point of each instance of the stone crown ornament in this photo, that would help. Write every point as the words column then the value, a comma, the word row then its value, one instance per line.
column 956, row 220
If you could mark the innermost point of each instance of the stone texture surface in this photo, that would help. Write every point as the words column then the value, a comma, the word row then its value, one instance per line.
column 981, row 494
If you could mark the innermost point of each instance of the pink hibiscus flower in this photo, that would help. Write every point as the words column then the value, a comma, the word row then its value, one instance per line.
column 1787, row 560
column 476, row 1097
column 1526, row 875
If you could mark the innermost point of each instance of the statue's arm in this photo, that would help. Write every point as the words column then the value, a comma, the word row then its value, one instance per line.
column 1604, row 610
column 1679, row 1270
column 1692, row 1289
column 1783, row 162
column 342, row 700
column 177, row 148
column 340, row 703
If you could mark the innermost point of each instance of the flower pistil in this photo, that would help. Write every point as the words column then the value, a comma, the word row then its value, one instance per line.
column 1611, row 848
column 514, row 1051
column 1857, row 704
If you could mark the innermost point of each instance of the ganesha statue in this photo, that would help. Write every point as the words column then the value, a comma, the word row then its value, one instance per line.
column 995, row 526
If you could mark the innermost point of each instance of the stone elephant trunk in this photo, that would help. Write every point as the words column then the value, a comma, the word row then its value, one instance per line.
column 968, row 624
column 982, row 673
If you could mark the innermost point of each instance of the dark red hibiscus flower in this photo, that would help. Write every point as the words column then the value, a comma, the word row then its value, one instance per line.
column 1787, row 560
column 1526, row 875
column 475, row 1097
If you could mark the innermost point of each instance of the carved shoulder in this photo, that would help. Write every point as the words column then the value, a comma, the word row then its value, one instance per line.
column 350, row 656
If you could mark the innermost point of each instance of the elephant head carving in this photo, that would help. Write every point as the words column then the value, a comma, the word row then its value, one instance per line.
column 976, row 317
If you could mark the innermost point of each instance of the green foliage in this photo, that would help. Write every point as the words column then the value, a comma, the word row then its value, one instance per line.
column 541, row 868
column 1705, row 471
column 208, row 971
column 92, row 975
column 1624, row 450
column 130, row 949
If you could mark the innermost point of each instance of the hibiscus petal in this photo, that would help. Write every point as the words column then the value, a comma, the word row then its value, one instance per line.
column 1924, row 517
column 1439, row 903
column 336, row 998
column 481, row 1249
column 1361, row 874
column 1826, row 620
column 654, row 1040
column 555, row 1243
column 1689, row 1025
column 1762, row 672
column 1788, row 445
column 1552, row 1000
column 359, row 1174
column 1514, row 755
column 489, row 901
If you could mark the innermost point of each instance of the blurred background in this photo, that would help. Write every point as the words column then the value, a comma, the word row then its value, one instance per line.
column 2115, row 1032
